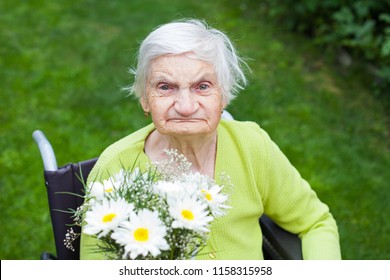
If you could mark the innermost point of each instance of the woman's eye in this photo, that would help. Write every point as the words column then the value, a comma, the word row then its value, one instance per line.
column 164, row 87
column 203, row 86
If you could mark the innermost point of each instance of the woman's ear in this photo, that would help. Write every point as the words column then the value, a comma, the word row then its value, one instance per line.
column 145, row 104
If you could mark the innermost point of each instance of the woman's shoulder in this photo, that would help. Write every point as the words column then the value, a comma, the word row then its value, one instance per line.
column 128, row 141
column 123, row 151
column 248, row 136
column 242, row 129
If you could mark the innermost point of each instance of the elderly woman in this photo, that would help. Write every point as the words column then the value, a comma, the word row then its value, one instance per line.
column 187, row 73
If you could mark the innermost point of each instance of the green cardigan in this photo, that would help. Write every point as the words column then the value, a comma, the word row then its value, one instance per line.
column 264, row 181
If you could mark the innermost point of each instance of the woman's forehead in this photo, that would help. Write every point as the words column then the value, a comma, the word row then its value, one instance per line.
column 172, row 66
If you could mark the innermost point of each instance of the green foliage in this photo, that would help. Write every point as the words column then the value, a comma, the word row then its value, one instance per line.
column 362, row 27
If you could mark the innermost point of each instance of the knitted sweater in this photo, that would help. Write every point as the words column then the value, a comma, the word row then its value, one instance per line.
column 264, row 181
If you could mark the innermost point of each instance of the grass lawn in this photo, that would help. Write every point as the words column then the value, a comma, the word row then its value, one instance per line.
column 62, row 64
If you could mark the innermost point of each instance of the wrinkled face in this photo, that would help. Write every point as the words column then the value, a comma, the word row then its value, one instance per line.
column 183, row 96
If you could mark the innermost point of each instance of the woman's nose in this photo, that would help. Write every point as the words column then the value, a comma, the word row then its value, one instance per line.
column 186, row 103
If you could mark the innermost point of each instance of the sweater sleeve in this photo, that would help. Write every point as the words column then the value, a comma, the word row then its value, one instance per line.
column 292, row 203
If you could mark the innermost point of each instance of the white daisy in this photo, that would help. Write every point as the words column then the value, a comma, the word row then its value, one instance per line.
column 106, row 215
column 196, row 178
column 215, row 199
column 97, row 190
column 168, row 190
column 143, row 234
column 190, row 213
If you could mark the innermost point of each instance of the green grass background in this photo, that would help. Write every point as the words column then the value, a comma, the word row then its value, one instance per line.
column 62, row 64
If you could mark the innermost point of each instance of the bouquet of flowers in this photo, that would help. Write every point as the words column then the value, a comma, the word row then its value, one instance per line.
column 164, row 213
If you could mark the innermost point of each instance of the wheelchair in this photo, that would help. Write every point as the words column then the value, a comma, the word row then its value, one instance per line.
column 65, row 181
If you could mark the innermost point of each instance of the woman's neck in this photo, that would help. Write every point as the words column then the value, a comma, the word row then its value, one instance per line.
column 199, row 150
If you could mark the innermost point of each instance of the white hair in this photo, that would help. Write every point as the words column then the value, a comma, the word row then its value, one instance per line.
column 191, row 36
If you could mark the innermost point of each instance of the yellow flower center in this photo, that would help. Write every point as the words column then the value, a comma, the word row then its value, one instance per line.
column 108, row 218
column 187, row 214
column 109, row 190
column 141, row 234
column 207, row 195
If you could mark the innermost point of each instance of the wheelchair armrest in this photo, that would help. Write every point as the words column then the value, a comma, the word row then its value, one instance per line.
column 279, row 244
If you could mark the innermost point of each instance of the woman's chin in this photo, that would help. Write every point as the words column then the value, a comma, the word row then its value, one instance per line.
column 186, row 129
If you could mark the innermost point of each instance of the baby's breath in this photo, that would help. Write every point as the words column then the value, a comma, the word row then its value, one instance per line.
column 70, row 237
column 174, row 167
